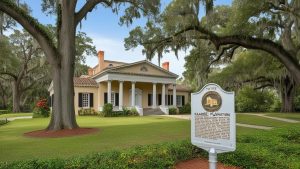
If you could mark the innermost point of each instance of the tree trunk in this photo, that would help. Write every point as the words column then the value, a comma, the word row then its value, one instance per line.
column 16, row 96
column 288, row 91
column 63, row 116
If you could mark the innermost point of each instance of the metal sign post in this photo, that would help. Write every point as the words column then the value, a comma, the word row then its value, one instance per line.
column 213, row 121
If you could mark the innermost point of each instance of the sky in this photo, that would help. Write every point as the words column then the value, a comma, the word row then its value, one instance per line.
column 102, row 26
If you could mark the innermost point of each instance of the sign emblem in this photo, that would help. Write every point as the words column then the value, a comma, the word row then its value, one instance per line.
column 211, row 101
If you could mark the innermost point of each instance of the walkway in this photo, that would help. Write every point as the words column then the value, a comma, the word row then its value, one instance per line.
column 274, row 118
column 16, row 118
column 188, row 117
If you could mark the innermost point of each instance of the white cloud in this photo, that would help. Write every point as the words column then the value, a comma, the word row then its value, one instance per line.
column 114, row 50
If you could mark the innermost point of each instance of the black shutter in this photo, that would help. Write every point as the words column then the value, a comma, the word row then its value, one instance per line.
column 49, row 101
column 149, row 99
column 105, row 98
column 183, row 101
column 91, row 99
column 117, row 99
column 79, row 99
column 52, row 100
column 159, row 99
column 171, row 99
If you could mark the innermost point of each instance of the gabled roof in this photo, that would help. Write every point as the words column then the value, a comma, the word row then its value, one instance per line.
column 118, row 69
column 84, row 82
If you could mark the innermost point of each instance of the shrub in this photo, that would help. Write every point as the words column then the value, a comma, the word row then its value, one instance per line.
column 87, row 112
column 120, row 113
column 250, row 100
column 172, row 110
column 3, row 121
column 107, row 109
column 186, row 109
column 41, row 109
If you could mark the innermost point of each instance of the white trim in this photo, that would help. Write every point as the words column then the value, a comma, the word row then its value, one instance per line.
column 88, row 101
column 135, row 78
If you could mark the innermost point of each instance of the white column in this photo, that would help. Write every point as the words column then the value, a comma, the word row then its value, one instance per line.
column 163, row 95
column 174, row 95
column 121, row 95
column 132, row 94
column 154, row 96
column 109, row 91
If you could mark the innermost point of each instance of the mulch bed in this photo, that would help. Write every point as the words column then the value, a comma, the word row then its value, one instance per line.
column 61, row 133
column 199, row 163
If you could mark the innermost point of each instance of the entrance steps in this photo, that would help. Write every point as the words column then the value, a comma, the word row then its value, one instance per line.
column 150, row 111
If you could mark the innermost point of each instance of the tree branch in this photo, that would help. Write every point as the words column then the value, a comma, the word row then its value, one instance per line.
column 32, row 26
column 88, row 7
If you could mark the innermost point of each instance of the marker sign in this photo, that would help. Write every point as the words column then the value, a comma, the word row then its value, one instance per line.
column 213, row 119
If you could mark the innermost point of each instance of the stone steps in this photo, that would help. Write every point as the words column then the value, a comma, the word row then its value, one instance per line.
column 150, row 111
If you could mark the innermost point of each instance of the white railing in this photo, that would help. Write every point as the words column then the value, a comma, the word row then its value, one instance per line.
column 164, row 109
column 139, row 110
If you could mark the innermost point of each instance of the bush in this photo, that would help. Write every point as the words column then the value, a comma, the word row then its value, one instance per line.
column 3, row 121
column 250, row 100
column 186, row 109
column 87, row 112
column 120, row 113
column 173, row 110
column 107, row 109
column 41, row 109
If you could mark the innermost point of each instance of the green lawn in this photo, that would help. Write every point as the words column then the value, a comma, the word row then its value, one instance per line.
column 293, row 116
column 15, row 115
column 115, row 133
column 261, row 121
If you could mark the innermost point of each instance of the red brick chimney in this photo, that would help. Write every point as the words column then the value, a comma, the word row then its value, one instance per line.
column 100, row 60
column 166, row 65
column 90, row 72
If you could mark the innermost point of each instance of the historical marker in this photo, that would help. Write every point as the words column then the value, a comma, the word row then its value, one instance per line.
column 213, row 125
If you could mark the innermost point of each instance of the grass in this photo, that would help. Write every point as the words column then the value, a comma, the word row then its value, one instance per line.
column 15, row 115
column 293, row 116
column 115, row 133
column 257, row 120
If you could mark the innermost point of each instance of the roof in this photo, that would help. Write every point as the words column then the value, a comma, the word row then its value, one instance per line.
column 181, row 88
column 84, row 82
column 117, row 68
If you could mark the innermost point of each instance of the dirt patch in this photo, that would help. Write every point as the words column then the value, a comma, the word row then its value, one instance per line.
column 61, row 133
column 200, row 163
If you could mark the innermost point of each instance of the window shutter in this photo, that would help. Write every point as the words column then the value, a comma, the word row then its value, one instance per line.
column 171, row 99
column 91, row 99
column 150, row 100
column 49, row 101
column 183, row 101
column 159, row 99
column 105, row 98
column 79, row 99
column 52, row 100
column 117, row 99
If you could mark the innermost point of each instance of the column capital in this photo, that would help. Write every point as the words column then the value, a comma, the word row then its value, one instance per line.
column 121, row 81
column 133, row 82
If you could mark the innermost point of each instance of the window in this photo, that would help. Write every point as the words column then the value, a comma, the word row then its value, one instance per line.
column 113, row 98
column 179, row 101
column 85, row 100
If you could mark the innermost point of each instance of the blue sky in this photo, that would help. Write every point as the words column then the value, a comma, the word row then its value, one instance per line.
column 102, row 26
